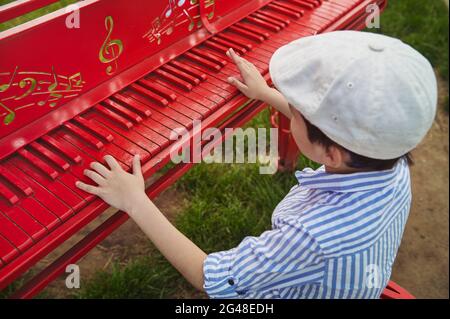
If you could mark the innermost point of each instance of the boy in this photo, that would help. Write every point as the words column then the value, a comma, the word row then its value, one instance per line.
column 358, row 104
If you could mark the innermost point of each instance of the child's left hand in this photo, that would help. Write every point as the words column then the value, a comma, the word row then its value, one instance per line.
column 115, row 186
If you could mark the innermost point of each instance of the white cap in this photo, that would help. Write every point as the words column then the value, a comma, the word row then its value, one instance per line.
column 372, row 94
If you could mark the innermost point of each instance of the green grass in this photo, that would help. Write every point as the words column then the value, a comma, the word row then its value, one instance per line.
column 33, row 14
column 423, row 25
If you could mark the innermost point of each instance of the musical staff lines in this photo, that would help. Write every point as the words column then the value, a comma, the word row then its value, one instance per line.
column 21, row 90
column 177, row 14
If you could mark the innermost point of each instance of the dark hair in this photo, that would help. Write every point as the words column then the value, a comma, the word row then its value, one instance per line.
column 315, row 135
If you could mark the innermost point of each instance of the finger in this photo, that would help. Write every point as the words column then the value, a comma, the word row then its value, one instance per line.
column 95, row 177
column 112, row 163
column 137, row 171
column 241, row 86
column 88, row 188
column 99, row 168
column 236, row 58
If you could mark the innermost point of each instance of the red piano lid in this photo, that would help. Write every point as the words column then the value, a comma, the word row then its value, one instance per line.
column 112, row 47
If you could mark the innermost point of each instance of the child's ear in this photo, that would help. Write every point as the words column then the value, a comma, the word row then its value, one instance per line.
column 334, row 157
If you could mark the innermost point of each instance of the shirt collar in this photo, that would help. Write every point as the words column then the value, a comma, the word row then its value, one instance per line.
column 355, row 182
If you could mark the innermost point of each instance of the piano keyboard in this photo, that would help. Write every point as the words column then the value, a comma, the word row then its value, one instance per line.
column 37, row 183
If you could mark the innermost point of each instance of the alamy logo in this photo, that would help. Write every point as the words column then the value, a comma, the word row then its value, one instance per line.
column 373, row 19
column 73, row 279
column 206, row 145
column 373, row 276
column 73, row 19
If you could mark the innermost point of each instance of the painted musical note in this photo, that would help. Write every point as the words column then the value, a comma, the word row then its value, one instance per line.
column 208, row 4
column 10, row 114
column 24, row 90
column 31, row 82
column 4, row 87
column 108, row 52
column 178, row 13
column 168, row 29
column 171, row 8
column 74, row 78
column 52, row 92
column 191, row 20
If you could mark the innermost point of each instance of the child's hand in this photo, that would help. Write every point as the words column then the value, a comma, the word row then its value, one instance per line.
column 254, row 86
column 115, row 186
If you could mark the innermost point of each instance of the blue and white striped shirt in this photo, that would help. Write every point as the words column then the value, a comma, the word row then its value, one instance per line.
column 333, row 236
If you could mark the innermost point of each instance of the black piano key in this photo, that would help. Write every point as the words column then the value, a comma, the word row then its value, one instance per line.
column 49, row 155
column 289, row 7
column 206, row 94
column 189, row 70
column 283, row 10
column 253, row 29
column 174, row 80
column 302, row 4
column 329, row 10
column 167, row 113
column 122, row 111
column 113, row 116
column 231, row 39
column 181, row 74
column 132, row 104
column 7, row 194
column 39, row 164
column 68, row 152
column 148, row 121
column 41, row 194
column 94, row 153
column 227, row 45
column 216, row 82
column 210, row 57
column 263, row 24
column 191, row 109
column 7, row 250
column 202, row 61
column 246, row 34
column 55, row 187
column 93, row 128
column 18, row 183
column 268, row 19
column 155, row 87
column 216, row 46
column 168, row 110
column 128, row 140
column 149, row 94
column 84, row 135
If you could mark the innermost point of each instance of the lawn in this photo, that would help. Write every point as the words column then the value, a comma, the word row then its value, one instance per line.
column 229, row 202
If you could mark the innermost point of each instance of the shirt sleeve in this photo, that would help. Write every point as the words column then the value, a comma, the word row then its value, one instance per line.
column 280, row 258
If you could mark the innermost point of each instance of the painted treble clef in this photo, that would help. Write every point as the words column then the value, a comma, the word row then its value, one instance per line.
column 111, row 49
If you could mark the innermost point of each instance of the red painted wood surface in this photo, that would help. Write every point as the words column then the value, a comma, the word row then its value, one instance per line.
column 49, row 62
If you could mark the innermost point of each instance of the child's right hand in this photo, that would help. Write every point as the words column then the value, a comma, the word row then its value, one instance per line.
column 254, row 86
column 122, row 190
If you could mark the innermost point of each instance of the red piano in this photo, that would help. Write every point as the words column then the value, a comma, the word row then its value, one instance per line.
column 115, row 77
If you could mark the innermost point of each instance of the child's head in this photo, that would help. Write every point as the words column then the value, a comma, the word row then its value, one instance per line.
column 360, row 101
column 320, row 148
